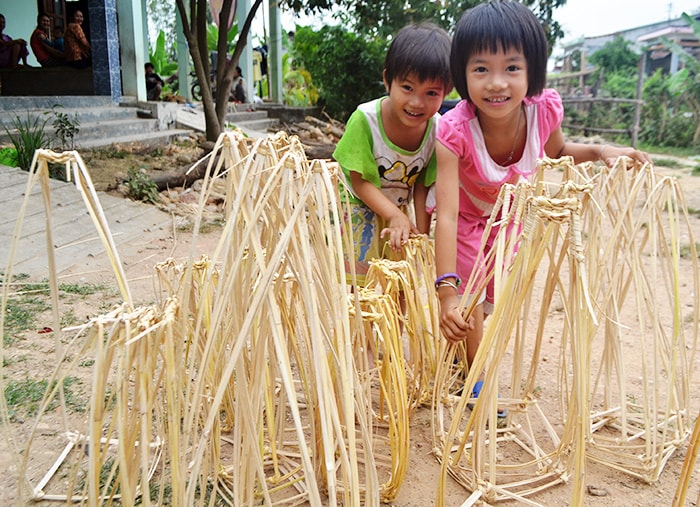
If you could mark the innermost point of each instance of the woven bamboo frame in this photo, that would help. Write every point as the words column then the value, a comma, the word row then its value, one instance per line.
column 603, row 238
column 257, row 379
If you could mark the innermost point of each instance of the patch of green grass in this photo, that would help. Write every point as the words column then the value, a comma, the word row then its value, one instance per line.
column 23, row 397
column 68, row 318
column 20, row 315
column 686, row 251
column 30, row 299
column 109, row 471
column 695, row 171
column 87, row 363
column 82, row 289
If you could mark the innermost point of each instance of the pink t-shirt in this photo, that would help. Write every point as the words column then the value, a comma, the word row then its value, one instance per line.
column 480, row 177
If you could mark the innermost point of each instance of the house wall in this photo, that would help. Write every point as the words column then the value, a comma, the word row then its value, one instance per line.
column 21, row 22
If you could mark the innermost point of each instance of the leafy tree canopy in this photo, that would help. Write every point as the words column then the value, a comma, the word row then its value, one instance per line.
column 383, row 18
column 616, row 56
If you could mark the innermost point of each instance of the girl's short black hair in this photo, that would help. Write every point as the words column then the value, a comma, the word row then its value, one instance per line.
column 422, row 50
column 500, row 25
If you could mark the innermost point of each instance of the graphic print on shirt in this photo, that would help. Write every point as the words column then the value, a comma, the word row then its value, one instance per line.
column 398, row 179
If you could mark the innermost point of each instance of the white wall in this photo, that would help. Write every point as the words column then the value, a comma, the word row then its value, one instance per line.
column 21, row 22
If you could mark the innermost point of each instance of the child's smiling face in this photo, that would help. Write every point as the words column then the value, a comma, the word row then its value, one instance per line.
column 414, row 101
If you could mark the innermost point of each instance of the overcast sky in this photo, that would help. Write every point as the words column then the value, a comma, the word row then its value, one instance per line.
column 600, row 17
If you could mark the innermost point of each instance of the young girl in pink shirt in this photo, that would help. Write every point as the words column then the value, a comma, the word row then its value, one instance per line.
column 505, row 121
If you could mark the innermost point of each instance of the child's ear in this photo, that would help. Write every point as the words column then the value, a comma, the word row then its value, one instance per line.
column 387, row 84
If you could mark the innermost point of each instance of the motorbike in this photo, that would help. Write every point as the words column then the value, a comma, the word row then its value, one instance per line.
column 196, row 88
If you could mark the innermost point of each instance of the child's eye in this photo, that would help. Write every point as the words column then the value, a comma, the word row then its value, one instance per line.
column 407, row 88
column 513, row 68
column 479, row 69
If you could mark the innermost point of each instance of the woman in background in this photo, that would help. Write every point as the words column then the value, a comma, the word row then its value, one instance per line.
column 78, row 53
column 44, row 49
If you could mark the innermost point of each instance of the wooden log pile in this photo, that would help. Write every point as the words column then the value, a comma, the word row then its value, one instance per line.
column 319, row 137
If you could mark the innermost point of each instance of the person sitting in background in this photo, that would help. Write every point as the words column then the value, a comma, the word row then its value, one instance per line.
column 238, row 87
column 154, row 83
column 11, row 50
column 78, row 52
column 43, row 48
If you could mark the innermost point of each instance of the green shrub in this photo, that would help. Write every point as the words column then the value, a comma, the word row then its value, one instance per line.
column 140, row 187
column 346, row 69
column 27, row 136
column 8, row 157
column 66, row 128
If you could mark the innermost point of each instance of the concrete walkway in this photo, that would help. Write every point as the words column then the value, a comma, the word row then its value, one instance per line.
column 77, row 245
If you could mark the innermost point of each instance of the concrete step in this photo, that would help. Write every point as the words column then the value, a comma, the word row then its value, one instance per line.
column 85, row 115
column 154, row 138
column 101, row 122
column 260, row 125
column 99, row 132
column 253, row 123
column 46, row 102
column 246, row 116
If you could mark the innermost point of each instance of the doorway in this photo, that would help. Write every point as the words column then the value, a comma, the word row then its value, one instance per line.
column 60, row 13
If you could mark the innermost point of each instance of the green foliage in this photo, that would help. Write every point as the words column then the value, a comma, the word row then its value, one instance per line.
column 160, row 58
column 298, row 91
column 66, row 128
column 346, row 68
column 8, row 157
column 616, row 56
column 27, row 136
column 668, row 118
column 140, row 187
column 685, row 85
column 162, row 18
column 213, row 37
column 383, row 18
column 657, row 96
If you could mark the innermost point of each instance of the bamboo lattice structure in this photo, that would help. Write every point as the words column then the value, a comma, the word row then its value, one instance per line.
column 258, row 377
column 607, row 243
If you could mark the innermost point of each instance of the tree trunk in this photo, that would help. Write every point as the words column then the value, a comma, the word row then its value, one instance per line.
column 184, row 176
column 194, row 26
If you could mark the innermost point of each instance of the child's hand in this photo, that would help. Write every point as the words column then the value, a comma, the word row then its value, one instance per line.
column 399, row 230
column 453, row 326
column 609, row 154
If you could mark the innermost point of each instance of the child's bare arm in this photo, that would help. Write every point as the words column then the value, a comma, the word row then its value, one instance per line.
column 400, row 226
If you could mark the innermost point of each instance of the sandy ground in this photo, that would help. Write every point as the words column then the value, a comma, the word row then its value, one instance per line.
column 604, row 486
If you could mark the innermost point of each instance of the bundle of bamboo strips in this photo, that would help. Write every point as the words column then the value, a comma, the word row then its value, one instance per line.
column 257, row 377
column 618, row 233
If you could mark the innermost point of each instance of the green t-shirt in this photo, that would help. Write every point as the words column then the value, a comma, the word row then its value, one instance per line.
column 364, row 148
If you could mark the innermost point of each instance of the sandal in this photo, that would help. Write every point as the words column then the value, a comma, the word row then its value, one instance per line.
column 478, row 386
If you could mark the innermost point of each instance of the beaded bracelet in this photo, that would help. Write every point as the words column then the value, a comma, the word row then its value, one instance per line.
column 441, row 278
column 446, row 283
column 600, row 153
